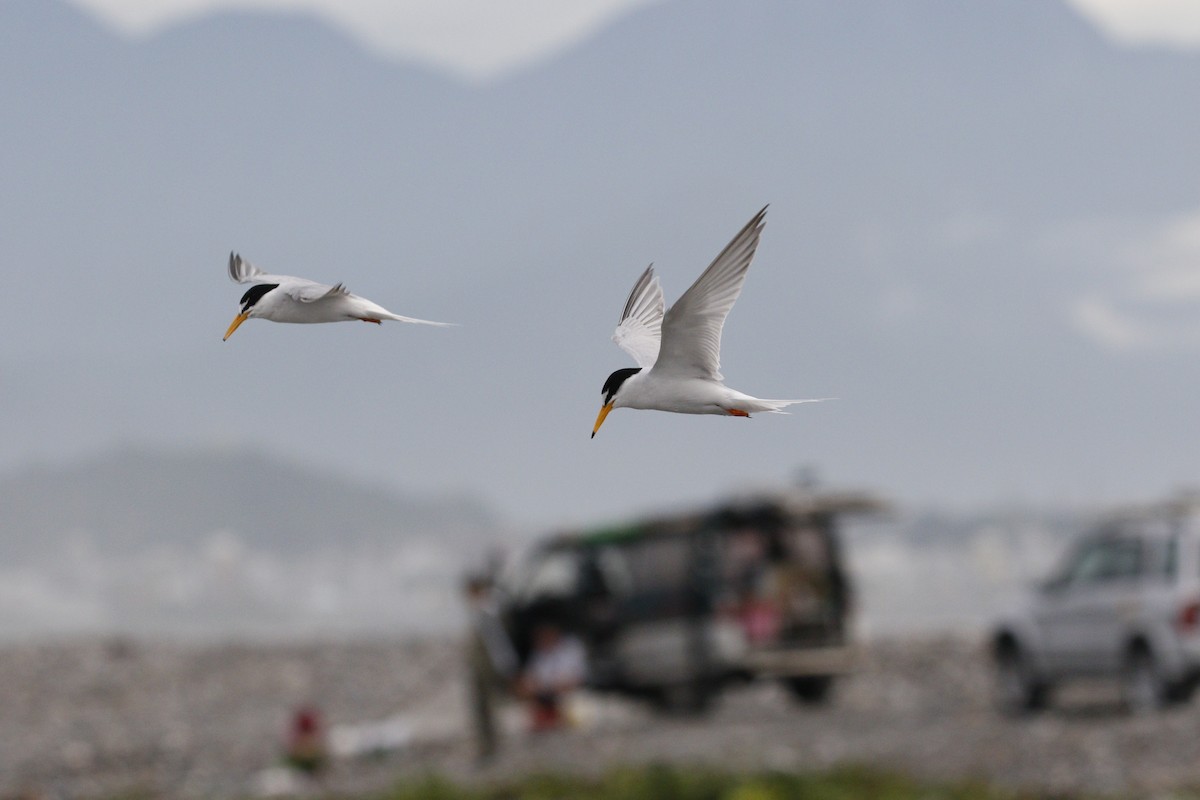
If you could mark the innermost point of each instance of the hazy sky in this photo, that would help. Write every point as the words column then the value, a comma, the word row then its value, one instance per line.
column 999, row 284
column 480, row 38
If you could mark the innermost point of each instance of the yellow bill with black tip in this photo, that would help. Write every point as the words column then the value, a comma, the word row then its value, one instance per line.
column 233, row 326
column 604, row 409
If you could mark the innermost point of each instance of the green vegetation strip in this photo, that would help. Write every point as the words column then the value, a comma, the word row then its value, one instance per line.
column 674, row 783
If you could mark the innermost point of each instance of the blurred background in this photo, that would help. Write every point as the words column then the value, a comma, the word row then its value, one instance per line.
column 983, row 240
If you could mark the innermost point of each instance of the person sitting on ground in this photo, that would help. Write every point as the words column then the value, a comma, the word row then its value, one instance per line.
column 306, row 748
column 557, row 666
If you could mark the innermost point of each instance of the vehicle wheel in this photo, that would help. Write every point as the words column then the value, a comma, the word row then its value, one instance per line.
column 1183, row 691
column 1017, row 687
column 811, row 690
column 1143, row 687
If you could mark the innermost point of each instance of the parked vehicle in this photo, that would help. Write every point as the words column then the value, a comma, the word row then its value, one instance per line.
column 674, row 608
column 1124, row 604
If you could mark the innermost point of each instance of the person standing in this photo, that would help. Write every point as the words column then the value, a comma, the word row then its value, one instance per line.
column 491, row 665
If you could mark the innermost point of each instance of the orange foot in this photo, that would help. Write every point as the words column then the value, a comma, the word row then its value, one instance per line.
column 370, row 319
column 737, row 412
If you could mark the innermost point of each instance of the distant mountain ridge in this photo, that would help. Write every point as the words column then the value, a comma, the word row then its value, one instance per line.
column 136, row 500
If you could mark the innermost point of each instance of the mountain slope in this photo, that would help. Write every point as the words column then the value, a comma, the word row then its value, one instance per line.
column 132, row 501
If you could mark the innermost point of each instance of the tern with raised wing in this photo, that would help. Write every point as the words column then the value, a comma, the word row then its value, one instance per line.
column 282, row 298
column 678, row 354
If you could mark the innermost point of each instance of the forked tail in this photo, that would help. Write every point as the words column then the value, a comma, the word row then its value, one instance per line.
column 777, row 406
column 415, row 321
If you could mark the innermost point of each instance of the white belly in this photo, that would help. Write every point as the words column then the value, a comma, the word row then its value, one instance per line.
column 333, row 309
column 686, row 396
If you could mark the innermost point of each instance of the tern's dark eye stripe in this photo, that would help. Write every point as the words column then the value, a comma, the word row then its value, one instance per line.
column 613, row 384
column 255, row 293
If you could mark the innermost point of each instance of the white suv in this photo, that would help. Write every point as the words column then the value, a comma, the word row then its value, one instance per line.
column 1125, row 604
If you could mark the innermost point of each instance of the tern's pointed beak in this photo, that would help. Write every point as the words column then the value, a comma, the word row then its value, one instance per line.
column 607, row 407
column 233, row 326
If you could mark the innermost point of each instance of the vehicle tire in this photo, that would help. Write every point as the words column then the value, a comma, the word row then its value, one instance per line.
column 1143, row 686
column 811, row 690
column 1018, row 690
column 1183, row 691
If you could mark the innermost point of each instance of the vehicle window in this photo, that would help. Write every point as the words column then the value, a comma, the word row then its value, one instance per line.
column 1088, row 562
column 1106, row 559
column 743, row 558
column 1162, row 556
column 614, row 568
column 808, row 546
column 1125, row 559
column 554, row 575
column 657, row 564
column 1159, row 548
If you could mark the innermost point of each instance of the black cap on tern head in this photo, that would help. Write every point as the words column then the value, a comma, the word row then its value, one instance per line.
column 613, row 384
column 611, row 387
column 248, row 301
column 255, row 293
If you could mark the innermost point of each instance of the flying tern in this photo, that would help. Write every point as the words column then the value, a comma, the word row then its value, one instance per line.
column 678, row 353
column 282, row 298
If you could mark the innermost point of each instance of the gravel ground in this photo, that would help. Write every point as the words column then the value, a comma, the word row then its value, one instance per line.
column 102, row 718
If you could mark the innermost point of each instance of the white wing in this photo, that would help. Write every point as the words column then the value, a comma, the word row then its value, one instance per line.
column 307, row 291
column 640, row 329
column 299, row 289
column 242, row 271
column 691, row 329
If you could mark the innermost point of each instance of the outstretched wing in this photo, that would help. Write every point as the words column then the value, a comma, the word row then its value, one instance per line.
column 691, row 329
column 299, row 289
column 242, row 271
column 640, row 329
column 307, row 291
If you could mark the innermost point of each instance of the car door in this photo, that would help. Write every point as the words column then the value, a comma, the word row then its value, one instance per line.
column 1083, row 615
column 1057, row 605
column 1109, row 604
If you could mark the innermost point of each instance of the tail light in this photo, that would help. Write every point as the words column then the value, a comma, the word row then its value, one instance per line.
column 1189, row 616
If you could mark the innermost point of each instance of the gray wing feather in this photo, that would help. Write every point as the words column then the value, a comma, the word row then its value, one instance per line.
column 241, row 270
column 640, row 328
column 310, row 292
column 691, row 329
